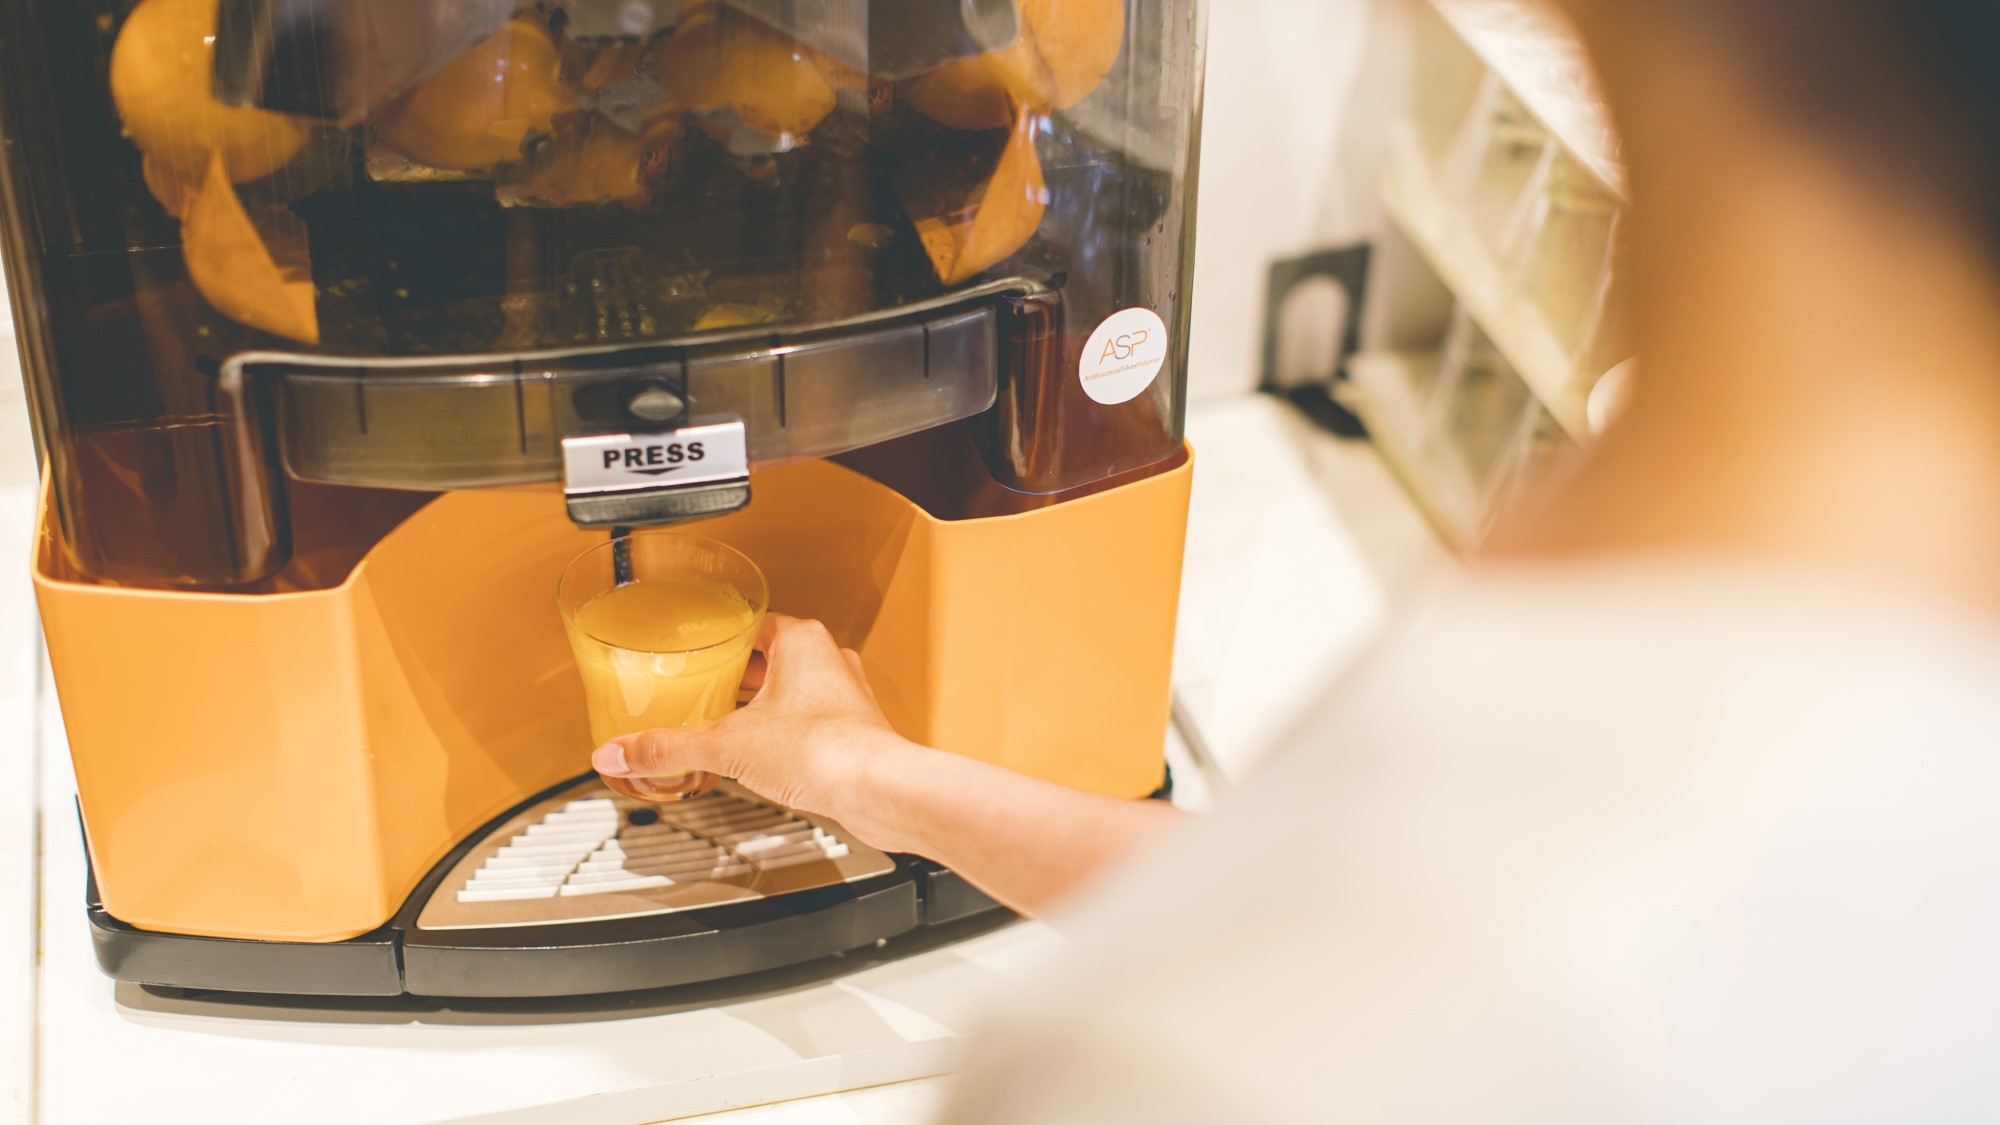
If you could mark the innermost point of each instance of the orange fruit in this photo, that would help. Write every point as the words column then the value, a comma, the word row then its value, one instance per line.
column 1078, row 41
column 967, row 232
column 174, row 189
column 720, row 60
column 588, row 69
column 257, row 273
column 162, row 70
column 475, row 112
column 981, row 92
column 1064, row 50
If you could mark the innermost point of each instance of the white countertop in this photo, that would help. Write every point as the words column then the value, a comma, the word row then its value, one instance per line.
column 1316, row 522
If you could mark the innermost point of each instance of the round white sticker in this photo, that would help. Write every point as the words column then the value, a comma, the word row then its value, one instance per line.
column 1123, row 356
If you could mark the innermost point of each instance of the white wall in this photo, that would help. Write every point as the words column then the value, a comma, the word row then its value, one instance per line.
column 1287, row 161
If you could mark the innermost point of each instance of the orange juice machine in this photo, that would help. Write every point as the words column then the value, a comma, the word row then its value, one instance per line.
column 348, row 323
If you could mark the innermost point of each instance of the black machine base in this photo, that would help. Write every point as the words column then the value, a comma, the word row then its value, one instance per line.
column 572, row 959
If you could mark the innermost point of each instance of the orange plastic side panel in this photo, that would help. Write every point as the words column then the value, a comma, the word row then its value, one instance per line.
column 289, row 766
column 220, row 760
column 1053, row 647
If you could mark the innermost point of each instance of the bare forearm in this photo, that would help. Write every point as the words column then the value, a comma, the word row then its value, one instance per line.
column 1024, row 841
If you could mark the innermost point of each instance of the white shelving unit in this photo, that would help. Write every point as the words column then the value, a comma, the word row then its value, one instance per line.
column 1481, row 285
column 1503, row 174
column 1533, row 52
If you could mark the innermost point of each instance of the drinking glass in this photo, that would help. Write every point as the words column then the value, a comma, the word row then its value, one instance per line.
column 661, row 624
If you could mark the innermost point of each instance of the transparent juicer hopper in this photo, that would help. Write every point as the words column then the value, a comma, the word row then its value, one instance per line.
column 405, row 248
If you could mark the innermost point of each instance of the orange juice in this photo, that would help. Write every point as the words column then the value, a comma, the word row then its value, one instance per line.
column 661, row 624
column 663, row 653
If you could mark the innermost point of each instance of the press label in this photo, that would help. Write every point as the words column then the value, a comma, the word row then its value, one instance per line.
column 691, row 455
column 1123, row 356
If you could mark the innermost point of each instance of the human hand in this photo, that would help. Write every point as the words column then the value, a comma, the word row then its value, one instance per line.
column 807, row 740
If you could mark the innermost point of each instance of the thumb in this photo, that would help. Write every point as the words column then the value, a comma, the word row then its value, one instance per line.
column 655, row 753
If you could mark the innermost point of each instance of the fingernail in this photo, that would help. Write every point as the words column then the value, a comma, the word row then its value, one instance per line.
column 609, row 760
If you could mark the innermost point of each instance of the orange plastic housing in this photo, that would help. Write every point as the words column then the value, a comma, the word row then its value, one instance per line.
column 289, row 766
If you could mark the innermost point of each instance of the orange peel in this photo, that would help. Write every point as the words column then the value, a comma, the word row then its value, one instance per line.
column 1079, row 42
column 475, row 112
column 966, row 232
column 174, row 189
column 590, row 160
column 718, row 59
column 588, row 68
column 257, row 273
column 162, row 81
column 1063, row 52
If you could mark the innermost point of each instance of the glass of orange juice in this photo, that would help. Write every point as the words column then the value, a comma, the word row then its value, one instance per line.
column 661, row 624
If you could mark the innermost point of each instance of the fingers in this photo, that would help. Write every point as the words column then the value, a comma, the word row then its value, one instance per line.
column 768, row 631
column 815, row 670
column 661, row 793
column 779, row 629
column 801, row 650
column 860, row 670
column 798, row 635
column 658, row 753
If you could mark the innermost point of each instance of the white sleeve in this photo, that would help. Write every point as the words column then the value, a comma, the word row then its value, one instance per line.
column 1083, row 1074
column 1720, row 856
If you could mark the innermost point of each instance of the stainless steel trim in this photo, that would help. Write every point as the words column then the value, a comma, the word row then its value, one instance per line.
column 708, row 343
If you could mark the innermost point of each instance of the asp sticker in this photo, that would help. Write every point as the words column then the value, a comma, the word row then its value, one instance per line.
column 1123, row 356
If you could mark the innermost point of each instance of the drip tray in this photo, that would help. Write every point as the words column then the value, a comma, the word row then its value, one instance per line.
column 578, row 892
column 590, row 855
